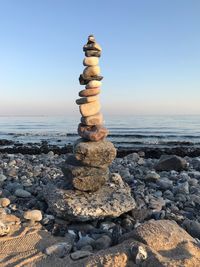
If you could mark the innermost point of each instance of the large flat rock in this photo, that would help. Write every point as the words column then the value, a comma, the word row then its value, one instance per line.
column 111, row 200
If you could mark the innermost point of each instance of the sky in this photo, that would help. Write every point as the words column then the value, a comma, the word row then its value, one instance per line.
column 150, row 59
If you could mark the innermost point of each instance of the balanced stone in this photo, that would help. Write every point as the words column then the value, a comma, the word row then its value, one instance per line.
column 88, row 99
column 93, row 84
column 82, row 177
column 92, row 53
column 95, row 154
column 91, row 61
column 90, row 109
column 90, row 92
column 92, row 133
column 90, row 72
column 91, row 38
column 92, row 46
column 83, row 81
column 96, row 119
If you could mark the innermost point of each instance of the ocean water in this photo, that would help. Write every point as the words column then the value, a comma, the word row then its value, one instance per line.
column 125, row 131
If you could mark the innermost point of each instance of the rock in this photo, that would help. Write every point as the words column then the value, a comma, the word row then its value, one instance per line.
column 87, row 248
column 92, row 53
column 22, row 193
column 4, row 229
column 84, row 81
column 90, row 72
column 92, row 133
column 152, row 176
column 90, row 92
column 80, row 254
column 102, row 242
column 4, row 202
column 33, row 215
column 84, row 241
column 171, row 162
column 2, row 178
column 96, row 119
column 91, row 61
column 111, row 200
column 59, row 249
column 92, row 46
column 138, row 253
column 96, row 154
column 91, row 38
column 93, row 84
column 90, row 109
column 182, row 188
column 86, row 100
column 165, row 183
column 192, row 227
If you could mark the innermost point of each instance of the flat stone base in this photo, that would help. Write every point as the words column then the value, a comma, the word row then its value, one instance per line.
column 111, row 200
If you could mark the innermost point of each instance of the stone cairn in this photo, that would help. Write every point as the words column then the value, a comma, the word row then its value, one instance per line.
column 89, row 190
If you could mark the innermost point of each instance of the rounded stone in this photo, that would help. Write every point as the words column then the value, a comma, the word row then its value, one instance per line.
column 33, row 215
column 90, row 72
column 92, row 133
column 93, row 84
column 22, row 193
column 4, row 202
column 92, row 46
column 89, row 92
column 90, row 109
column 101, row 153
column 88, row 99
column 96, row 119
column 85, row 80
column 92, row 53
column 90, row 61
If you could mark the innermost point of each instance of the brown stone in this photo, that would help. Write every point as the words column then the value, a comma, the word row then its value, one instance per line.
column 93, row 84
column 90, row 72
column 83, row 81
column 92, row 46
column 89, row 92
column 96, row 119
column 92, row 53
column 90, row 109
column 90, row 61
column 95, row 154
column 88, row 99
column 92, row 133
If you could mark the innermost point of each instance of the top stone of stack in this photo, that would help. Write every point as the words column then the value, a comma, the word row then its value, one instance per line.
column 91, row 127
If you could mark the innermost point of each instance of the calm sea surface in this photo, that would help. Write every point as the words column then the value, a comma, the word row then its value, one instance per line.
column 124, row 131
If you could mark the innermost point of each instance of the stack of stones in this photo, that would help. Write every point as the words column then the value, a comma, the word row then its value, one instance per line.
column 87, row 169
column 91, row 127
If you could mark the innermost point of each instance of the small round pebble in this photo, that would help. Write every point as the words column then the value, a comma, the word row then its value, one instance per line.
column 33, row 215
column 4, row 202
column 22, row 193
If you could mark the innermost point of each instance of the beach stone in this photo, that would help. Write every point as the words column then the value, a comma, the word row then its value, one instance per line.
column 88, row 99
column 4, row 202
column 33, row 215
column 22, row 193
column 83, row 80
column 111, row 200
column 92, row 133
column 90, row 109
column 93, row 84
column 94, row 154
column 80, row 254
column 171, row 162
column 59, row 249
column 2, row 178
column 91, row 61
column 103, row 242
column 91, row 38
column 192, row 227
column 92, row 46
column 92, row 53
column 90, row 72
column 89, row 92
column 96, row 119
column 4, row 229
column 152, row 176
column 84, row 241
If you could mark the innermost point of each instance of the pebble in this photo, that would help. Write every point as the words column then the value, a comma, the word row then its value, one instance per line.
column 59, row 249
column 91, row 61
column 4, row 229
column 85, row 100
column 93, row 84
column 152, row 176
column 89, row 92
column 33, row 215
column 84, row 241
column 90, row 109
column 96, row 119
column 22, row 193
column 103, row 242
column 4, row 202
column 91, row 71
column 2, row 178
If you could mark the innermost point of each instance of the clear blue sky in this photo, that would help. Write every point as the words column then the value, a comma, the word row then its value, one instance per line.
column 150, row 60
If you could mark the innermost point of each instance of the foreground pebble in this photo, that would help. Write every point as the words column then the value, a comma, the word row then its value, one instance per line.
column 4, row 202
column 59, row 249
column 33, row 215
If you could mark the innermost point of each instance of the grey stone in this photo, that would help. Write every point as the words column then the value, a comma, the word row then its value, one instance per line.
column 22, row 193
column 59, row 249
column 84, row 241
column 192, row 227
column 80, row 254
column 171, row 162
column 103, row 242
column 152, row 176
column 182, row 188
column 2, row 178
column 165, row 183
column 111, row 200
column 92, row 53
column 94, row 154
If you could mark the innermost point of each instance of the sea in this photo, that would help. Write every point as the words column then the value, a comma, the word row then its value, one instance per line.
column 125, row 131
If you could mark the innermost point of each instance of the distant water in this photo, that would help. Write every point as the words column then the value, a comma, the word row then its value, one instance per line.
column 127, row 131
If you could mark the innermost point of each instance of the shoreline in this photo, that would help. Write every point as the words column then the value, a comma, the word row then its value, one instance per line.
column 44, row 147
